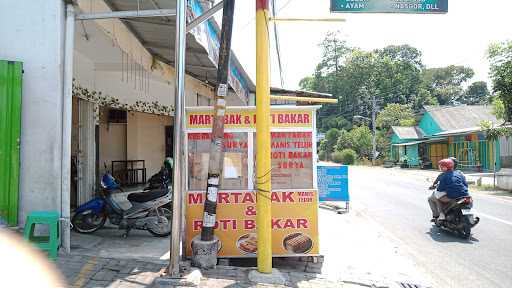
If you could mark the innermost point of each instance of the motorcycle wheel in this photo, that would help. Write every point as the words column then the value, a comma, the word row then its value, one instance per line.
column 163, row 230
column 466, row 230
column 88, row 221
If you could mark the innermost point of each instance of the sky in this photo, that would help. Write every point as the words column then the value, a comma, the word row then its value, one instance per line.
column 460, row 37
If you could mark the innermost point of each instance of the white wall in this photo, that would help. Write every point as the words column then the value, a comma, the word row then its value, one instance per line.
column 32, row 32
column 83, row 70
column 146, row 139
column 113, row 143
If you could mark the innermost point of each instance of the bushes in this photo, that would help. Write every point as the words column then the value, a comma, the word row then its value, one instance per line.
column 321, row 155
column 346, row 157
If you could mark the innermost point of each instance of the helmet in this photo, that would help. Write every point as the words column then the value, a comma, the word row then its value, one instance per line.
column 455, row 162
column 446, row 163
column 168, row 163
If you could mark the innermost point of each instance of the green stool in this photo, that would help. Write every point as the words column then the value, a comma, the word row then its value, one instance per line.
column 49, row 243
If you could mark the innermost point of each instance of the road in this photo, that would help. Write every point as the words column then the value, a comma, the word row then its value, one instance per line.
column 397, row 201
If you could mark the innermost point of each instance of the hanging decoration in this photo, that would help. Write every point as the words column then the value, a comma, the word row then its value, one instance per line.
column 101, row 99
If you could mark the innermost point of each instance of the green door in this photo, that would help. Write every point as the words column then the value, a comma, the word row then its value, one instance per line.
column 10, row 124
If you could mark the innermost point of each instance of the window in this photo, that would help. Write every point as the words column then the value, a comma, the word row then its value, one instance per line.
column 292, row 160
column 117, row 116
column 235, row 175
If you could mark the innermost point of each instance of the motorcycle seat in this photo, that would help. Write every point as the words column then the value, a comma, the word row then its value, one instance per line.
column 141, row 197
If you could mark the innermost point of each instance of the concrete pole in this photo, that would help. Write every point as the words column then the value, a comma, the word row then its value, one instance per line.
column 216, row 161
column 208, row 242
column 67, row 109
column 179, row 108
column 374, row 135
column 263, row 164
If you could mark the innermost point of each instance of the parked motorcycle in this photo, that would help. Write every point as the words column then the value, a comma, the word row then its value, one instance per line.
column 165, row 173
column 148, row 210
column 460, row 219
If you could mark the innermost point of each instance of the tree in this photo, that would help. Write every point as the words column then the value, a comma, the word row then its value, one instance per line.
column 500, row 58
column 476, row 93
column 445, row 84
column 358, row 139
column 331, row 138
column 362, row 141
column 392, row 74
column 333, row 121
column 344, row 141
column 498, row 109
column 395, row 115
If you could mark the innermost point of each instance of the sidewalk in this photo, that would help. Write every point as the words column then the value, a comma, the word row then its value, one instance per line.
column 91, row 271
column 357, row 254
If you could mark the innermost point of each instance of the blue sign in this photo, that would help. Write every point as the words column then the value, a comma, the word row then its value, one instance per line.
column 333, row 183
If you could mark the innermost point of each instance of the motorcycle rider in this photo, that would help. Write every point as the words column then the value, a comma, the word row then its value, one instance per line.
column 455, row 164
column 452, row 185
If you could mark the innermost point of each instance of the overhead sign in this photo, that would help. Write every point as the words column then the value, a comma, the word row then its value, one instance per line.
column 390, row 6
column 333, row 183
column 246, row 118
column 294, row 222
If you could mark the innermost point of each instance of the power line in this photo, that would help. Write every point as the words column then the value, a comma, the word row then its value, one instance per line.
column 276, row 38
column 254, row 18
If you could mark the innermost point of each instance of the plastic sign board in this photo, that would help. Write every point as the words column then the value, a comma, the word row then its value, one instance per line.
column 390, row 6
column 246, row 118
column 294, row 222
column 333, row 183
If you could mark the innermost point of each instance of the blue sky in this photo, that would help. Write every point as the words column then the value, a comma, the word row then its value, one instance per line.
column 460, row 37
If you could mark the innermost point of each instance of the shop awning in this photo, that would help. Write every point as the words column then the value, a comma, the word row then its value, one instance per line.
column 157, row 35
column 434, row 140
column 408, row 143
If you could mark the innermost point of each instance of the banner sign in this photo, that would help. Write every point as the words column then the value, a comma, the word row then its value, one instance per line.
column 206, row 35
column 294, row 222
column 247, row 119
column 390, row 6
column 333, row 183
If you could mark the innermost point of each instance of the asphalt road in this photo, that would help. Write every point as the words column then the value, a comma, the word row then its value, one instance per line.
column 397, row 201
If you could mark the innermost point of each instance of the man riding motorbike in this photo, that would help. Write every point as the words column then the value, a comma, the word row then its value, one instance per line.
column 452, row 185
column 455, row 164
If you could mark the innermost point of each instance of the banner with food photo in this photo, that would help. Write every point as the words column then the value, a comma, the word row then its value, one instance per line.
column 294, row 222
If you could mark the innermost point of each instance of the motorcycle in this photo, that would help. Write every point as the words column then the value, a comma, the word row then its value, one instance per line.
column 459, row 218
column 148, row 211
column 156, row 180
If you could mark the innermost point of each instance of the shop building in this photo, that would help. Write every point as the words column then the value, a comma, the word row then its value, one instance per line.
column 449, row 131
column 123, row 93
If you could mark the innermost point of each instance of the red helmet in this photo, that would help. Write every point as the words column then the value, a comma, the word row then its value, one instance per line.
column 446, row 163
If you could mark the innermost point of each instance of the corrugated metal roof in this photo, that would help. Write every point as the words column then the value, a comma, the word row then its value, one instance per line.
column 157, row 36
column 408, row 132
column 460, row 117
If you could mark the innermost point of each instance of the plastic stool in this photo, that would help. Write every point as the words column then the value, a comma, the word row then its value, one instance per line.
column 48, row 243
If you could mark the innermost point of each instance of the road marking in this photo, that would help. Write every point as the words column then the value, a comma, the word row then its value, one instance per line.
column 493, row 218
column 82, row 276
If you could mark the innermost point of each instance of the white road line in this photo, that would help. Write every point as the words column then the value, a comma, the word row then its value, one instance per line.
column 493, row 218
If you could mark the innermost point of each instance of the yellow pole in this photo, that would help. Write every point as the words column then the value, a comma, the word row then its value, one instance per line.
column 263, row 165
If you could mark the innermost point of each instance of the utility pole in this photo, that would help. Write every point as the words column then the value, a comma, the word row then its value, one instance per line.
column 374, row 135
column 208, row 242
column 263, row 164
